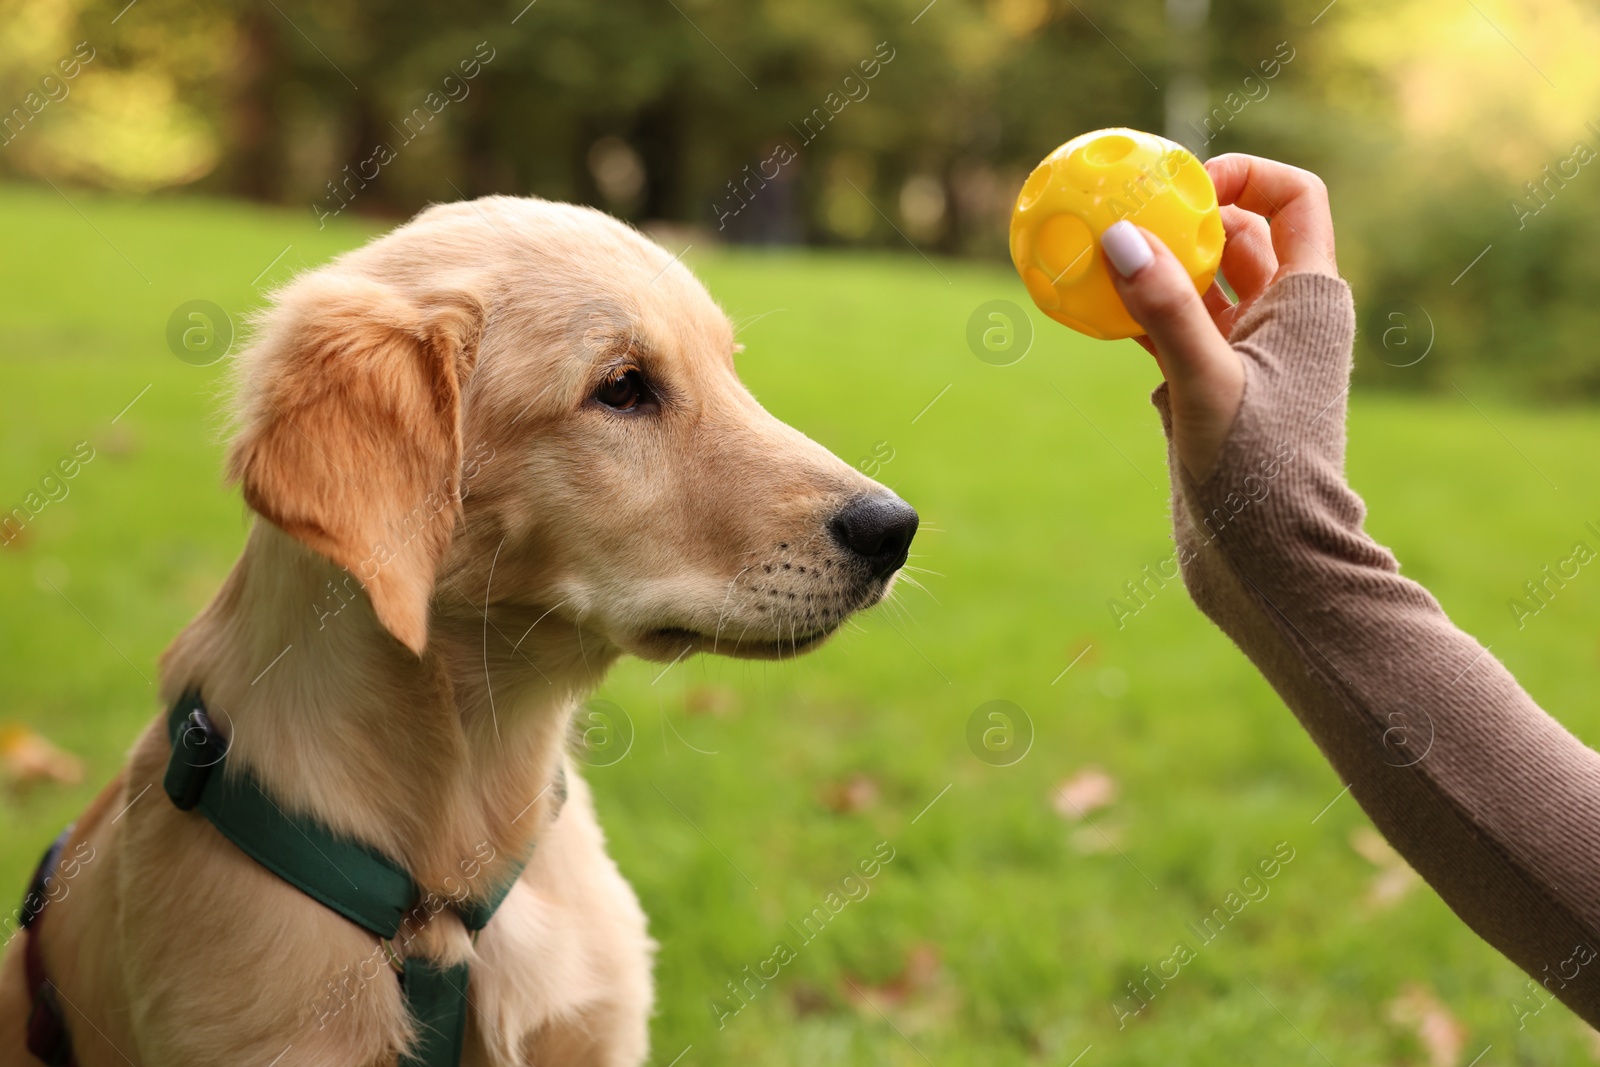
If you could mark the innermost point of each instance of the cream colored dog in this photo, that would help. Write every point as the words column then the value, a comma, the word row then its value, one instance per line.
column 494, row 451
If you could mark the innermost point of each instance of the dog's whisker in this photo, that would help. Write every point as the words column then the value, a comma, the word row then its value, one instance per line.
column 715, row 637
column 536, row 622
column 751, row 320
column 488, row 680
column 474, row 605
column 740, row 639
column 912, row 581
column 577, row 628
column 667, row 718
column 892, row 604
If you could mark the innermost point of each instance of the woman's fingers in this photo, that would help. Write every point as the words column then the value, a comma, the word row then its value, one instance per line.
column 1216, row 301
column 1205, row 374
column 1295, row 200
column 1220, row 307
column 1248, row 261
column 1188, row 331
column 1157, row 292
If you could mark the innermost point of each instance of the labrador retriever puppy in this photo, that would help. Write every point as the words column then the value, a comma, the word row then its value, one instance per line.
column 490, row 453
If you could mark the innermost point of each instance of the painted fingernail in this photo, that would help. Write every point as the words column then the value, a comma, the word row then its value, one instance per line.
column 1126, row 248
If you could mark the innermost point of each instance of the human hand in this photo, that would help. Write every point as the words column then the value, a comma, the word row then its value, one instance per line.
column 1277, row 221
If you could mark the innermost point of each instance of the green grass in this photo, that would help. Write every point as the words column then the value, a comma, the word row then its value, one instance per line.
column 1035, row 511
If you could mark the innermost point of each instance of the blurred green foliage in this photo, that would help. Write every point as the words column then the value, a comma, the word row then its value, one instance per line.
column 867, row 122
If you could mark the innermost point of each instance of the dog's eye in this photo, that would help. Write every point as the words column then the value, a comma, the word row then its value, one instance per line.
column 624, row 389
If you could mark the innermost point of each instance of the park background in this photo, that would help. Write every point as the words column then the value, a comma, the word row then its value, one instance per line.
column 208, row 151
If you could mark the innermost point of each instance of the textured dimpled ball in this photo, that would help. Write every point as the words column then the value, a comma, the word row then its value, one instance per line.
column 1086, row 185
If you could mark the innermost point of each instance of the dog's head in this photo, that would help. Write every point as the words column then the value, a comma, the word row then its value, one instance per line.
column 533, row 398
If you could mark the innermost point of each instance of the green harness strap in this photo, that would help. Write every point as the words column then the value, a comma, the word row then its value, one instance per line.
column 358, row 882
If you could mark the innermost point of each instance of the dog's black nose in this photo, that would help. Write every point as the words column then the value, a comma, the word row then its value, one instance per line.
column 878, row 529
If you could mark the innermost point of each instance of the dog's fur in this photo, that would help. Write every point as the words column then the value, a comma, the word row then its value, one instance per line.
column 420, row 414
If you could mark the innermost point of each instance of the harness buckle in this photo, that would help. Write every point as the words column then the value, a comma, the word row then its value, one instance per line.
column 395, row 962
column 197, row 749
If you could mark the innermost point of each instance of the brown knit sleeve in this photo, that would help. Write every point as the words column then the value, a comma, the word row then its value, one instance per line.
column 1488, row 797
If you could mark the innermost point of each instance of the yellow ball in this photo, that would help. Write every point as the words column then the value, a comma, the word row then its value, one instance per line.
column 1086, row 185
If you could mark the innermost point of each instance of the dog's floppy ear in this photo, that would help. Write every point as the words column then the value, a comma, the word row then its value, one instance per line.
column 351, row 432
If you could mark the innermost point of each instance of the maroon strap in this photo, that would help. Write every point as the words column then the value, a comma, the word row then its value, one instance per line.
column 48, row 1038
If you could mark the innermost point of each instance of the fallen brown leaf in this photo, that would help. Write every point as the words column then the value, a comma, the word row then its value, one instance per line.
column 17, row 540
column 1394, row 878
column 920, row 973
column 28, row 758
column 1082, row 652
column 856, row 793
column 119, row 442
column 715, row 700
column 1085, row 791
column 1441, row 1035
column 1592, row 1039
column 807, row 999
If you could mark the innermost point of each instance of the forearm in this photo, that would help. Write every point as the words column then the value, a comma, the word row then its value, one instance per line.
column 1485, row 795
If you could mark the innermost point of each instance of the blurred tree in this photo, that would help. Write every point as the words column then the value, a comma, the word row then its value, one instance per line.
column 861, row 122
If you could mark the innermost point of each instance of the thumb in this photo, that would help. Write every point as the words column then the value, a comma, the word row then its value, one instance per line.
column 1159, row 295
